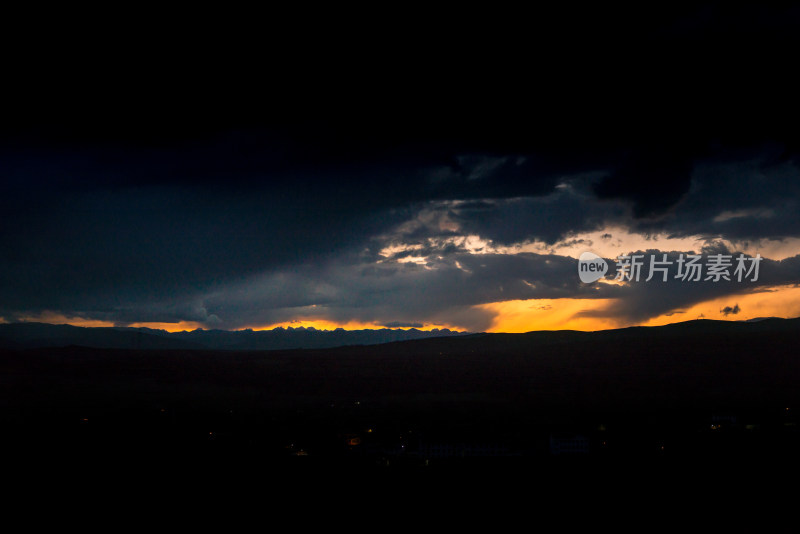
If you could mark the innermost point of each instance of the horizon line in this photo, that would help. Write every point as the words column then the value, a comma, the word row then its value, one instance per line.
column 394, row 329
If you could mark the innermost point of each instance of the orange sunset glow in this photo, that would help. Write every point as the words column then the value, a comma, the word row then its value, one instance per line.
column 565, row 314
column 517, row 316
column 324, row 324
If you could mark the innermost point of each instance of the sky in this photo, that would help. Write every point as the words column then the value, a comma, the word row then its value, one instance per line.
column 423, row 172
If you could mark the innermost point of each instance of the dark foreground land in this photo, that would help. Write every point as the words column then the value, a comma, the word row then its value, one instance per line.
column 718, row 396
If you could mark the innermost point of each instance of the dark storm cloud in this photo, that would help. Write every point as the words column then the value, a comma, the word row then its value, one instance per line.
column 80, row 235
column 652, row 182
column 643, row 300
column 163, row 202
column 99, row 227
column 746, row 197
column 728, row 310
column 445, row 290
column 547, row 219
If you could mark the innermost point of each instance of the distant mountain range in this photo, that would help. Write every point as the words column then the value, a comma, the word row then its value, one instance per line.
column 42, row 335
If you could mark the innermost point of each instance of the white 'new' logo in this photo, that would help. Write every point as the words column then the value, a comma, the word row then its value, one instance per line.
column 591, row 267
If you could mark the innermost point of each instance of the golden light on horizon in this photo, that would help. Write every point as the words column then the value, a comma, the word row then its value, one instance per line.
column 778, row 301
column 59, row 318
column 319, row 324
column 324, row 324
column 180, row 326
column 518, row 316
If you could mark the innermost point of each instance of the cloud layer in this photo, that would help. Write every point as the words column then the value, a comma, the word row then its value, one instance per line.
column 412, row 193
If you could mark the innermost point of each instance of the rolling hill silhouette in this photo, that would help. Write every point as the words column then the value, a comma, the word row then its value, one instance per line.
column 41, row 335
column 703, row 391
